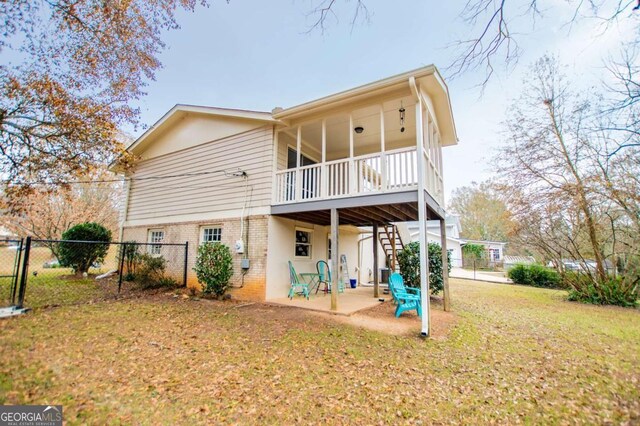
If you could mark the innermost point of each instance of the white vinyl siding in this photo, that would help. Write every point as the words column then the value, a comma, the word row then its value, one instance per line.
column 204, row 181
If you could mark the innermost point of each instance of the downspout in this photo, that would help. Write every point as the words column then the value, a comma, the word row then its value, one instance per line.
column 125, row 209
column 414, row 88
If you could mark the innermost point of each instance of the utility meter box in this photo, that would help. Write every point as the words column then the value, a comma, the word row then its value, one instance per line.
column 244, row 263
column 239, row 246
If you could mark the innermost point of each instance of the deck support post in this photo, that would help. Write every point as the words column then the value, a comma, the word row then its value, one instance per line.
column 422, row 212
column 376, row 278
column 335, row 254
column 445, row 265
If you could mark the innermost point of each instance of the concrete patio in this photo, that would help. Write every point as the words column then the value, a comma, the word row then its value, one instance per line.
column 349, row 302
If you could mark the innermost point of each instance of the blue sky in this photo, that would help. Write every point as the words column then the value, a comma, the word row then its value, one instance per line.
column 259, row 55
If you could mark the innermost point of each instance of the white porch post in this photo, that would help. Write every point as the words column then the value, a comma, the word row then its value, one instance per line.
column 352, row 168
column 383, row 155
column 445, row 265
column 422, row 219
column 298, row 194
column 324, row 179
column 335, row 253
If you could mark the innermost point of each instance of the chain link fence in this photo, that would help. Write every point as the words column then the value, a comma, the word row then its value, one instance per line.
column 44, row 273
column 10, row 252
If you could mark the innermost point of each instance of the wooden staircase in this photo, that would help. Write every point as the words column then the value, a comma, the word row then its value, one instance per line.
column 391, row 243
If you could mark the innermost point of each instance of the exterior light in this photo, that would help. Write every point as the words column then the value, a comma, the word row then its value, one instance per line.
column 401, row 111
column 359, row 129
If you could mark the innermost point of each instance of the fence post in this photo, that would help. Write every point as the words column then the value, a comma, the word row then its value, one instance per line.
column 123, row 248
column 16, row 272
column 25, row 273
column 186, row 258
column 474, row 269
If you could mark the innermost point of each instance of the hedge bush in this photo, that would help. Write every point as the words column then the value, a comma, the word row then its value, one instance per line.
column 409, row 261
column 81, row 256
column 620, row 291
column 535, row 275
column 214, row 268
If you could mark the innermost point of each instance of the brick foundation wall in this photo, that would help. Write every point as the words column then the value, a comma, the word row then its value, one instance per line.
column 254, row 287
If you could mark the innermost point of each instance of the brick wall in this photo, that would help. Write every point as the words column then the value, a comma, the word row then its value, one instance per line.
column 254, row 287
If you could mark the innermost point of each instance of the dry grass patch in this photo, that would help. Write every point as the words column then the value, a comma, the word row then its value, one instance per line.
column 516, row 355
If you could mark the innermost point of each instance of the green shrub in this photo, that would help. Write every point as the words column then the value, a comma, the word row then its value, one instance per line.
column 81, row 256
column 619, row 291
column 131, row 260
column 214, row 268
column 534, row 275
column 409, row 261
column 169, row 282
column 150, row 271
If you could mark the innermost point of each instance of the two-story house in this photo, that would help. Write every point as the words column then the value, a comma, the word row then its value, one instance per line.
column 292, row 184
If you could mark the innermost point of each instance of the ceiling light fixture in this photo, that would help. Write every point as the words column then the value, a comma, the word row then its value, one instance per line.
column 358, row 129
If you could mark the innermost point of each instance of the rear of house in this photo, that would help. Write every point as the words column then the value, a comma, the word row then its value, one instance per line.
column 263, row 183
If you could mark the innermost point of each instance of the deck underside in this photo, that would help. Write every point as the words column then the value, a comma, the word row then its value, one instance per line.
column 362, row 210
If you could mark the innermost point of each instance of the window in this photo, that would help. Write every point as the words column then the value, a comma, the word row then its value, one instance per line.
column 155, row 236
column 494, row 254
column 303, row 243
column 292, row 160
column 210, row 234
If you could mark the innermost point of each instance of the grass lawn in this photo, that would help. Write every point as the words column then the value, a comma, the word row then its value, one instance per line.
column 54, row 287
column 515, row 355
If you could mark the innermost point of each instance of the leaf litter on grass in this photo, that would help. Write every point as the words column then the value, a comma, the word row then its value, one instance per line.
column 522, row 356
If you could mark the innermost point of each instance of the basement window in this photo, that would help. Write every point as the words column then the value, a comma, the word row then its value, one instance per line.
column 155, row 236
column 303, row 243
column 210, row 234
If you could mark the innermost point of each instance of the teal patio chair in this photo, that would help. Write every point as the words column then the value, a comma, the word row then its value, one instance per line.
column 324, row 277
column 297, row 285
column 407, row 298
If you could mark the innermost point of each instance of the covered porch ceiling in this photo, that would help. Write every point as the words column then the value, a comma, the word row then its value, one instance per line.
column 360, row 211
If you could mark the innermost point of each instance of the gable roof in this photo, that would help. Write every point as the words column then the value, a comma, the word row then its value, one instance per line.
column 428, row 77
column 180, row 110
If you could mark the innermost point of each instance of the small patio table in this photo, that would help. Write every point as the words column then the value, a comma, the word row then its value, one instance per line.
column 312, row 279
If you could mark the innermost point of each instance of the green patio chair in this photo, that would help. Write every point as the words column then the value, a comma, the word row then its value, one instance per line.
column 297, row 285
column 324, row 277
column 407, row 298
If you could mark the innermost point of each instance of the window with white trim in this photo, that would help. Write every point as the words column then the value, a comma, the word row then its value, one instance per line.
column 494, row 254
column 155, row 236
column 210, row 234
column 303, row 243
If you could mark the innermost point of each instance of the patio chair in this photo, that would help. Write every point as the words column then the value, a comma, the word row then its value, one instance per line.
column 297, row 285
column 324, row 277
column 407, row 298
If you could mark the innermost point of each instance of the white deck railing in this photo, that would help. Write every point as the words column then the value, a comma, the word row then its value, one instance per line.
column 391, row 171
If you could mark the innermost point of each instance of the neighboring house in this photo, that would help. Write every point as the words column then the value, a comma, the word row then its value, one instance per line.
column 494, row 249
column 266, row 183
column 452, row 232
column 5, row 234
